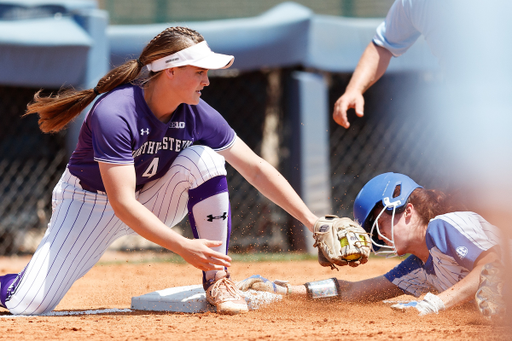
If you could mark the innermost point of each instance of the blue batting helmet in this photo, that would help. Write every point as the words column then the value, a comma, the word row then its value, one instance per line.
column 382, row 189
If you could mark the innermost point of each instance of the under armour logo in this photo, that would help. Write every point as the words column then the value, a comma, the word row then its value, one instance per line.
column 142, row 131
column 211, row 217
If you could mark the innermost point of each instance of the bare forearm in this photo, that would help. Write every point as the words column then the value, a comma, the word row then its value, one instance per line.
column 147, row 225
column 371, row 67
column 465, row 289
column 369, row 290
column 276, row 188
column 461, row 292
column 268, row 181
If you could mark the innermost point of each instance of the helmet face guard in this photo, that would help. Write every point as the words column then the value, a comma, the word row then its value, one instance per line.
column 383, row 248
column 392, row 191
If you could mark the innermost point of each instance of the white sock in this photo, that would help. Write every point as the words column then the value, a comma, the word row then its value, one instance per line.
column 211, row 218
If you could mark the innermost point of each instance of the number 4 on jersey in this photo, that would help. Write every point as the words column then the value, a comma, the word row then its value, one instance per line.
column 152, row 168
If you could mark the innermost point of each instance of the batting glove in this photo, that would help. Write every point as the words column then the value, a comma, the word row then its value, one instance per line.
column 430, row 304
column 256, row 282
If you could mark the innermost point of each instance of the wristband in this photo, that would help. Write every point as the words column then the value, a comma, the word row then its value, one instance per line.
column 284, row 284
column 325, row 289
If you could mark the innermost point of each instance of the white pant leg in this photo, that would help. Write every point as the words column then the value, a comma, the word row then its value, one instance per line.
column 167, row 197
column 83, row 225
column 81, row 228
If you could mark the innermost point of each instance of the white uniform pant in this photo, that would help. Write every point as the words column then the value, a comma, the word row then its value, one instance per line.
column 83, row 225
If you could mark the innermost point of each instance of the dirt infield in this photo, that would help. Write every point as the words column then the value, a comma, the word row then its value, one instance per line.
column 118, row 277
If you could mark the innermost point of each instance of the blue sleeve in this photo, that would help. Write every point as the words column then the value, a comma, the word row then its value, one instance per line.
column 450, row 241
column 397, row 33
column 212, row 129
column 410, row 276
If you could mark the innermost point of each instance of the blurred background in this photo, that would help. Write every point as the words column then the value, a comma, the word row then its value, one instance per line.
column 292, row 61
column 126, row 12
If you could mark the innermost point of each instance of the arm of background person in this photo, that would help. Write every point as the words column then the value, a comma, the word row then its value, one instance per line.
column 119, row 181
column 465, row 289
column 371, row 67
column 266, row 179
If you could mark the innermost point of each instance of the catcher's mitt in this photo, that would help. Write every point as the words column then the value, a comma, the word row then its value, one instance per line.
column 340, row 241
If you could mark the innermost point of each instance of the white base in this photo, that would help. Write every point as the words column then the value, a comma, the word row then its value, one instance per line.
column 192, row 299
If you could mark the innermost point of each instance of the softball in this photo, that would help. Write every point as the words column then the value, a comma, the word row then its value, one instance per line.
column 355, row 256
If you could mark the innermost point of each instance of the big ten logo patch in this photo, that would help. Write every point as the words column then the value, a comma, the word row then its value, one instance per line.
column 177, row 125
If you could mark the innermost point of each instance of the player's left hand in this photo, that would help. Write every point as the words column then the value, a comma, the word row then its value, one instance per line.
column 259, row 283
column 430, row 304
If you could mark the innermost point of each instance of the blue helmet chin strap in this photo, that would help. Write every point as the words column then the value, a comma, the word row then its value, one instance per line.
column 389, row 248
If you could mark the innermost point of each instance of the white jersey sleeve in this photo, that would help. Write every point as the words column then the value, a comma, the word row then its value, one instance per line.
column 407, row 20
column 397, row 33
column 455, row 241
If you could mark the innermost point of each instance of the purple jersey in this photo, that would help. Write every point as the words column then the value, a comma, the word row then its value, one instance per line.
column 121, row 129
column 454, row 240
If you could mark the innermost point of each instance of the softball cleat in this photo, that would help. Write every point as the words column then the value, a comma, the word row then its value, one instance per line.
column 225, row 296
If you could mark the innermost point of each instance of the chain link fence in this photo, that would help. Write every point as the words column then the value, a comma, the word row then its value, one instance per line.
column 30, row 165
column 394, row 135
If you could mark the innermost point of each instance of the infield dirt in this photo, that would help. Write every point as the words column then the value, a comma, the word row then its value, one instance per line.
column 119, row 276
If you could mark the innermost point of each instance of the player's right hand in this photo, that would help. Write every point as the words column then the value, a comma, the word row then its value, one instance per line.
column 198, row 253
column 430, row 304
column 349, row 100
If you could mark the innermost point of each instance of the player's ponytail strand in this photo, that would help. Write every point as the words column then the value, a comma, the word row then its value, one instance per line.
column 430, row 203
column 56, row 111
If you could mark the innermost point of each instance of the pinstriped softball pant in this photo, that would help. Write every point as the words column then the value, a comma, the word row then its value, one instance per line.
column 83, row 225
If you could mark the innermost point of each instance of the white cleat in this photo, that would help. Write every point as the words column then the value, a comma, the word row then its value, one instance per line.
column 225, row 296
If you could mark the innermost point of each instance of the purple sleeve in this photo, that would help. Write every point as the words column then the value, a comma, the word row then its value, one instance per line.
column 212, row 129
column 450, row 241
column 111, row 136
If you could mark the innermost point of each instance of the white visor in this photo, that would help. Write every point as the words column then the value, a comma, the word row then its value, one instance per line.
column 198, row 55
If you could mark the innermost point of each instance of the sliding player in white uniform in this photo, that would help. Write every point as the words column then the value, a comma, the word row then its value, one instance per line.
column 149, row 152
column 448, row 247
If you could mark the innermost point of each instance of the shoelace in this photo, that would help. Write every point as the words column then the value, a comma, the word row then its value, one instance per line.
column 232, row 291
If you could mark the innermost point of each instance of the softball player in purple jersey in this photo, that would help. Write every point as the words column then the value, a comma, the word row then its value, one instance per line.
column 149, row 153
column 448, row 249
